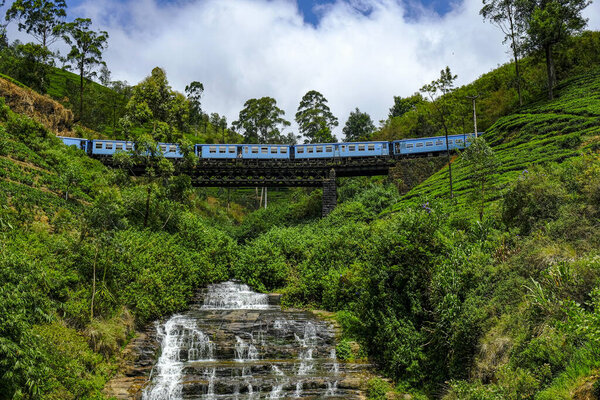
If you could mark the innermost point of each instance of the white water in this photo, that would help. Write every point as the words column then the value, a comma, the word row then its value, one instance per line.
column 178, row 333
column 293, row 348
column 234, row 296
column 245, row 351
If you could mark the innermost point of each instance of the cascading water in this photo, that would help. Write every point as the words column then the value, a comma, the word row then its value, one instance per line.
column 238, row 344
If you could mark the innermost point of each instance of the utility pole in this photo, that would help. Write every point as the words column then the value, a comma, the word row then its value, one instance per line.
column 474, row 113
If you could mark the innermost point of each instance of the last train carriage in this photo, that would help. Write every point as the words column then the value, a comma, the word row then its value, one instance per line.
column 395, row 148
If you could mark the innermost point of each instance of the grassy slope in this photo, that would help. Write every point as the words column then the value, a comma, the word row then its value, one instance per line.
column 543, row 132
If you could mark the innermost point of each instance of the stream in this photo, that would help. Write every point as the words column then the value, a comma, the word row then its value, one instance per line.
column 234, row 343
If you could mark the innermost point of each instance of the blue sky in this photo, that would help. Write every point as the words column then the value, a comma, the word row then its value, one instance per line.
column 357, row 53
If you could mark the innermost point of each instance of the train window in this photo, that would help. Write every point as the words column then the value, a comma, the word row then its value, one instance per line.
column 172, row 149
column 163, row 148
column 328, row 149
column 319, row 149
column 119, row 146
column 264, row 150
column 300, row 149
column 109, row 146
column 439, row 142
column 361, row 147
column 129, row 146
column 459, row 141
column 371, row 147
column 232, row 149
column 429, row 144
column 420, row 144
column 254, row 149
column 410, row 145
column 450, row 141
column 222, row 149
column 310, row 149
column 212, row 149
column 351, row 147
column 273, row 150
column 98, row 145
column 284, row 150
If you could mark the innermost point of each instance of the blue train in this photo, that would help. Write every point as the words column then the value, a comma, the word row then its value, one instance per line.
column 395, row 148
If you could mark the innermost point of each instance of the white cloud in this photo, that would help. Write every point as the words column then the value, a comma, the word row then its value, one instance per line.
column 242, row 49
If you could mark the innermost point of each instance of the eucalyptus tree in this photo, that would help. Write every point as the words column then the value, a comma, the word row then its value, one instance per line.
column 42, row 19
column 359, row 126
column 261, row 121
column 314, row 118
column 86, row 50
column 504, row 14
column 194, row 93
column 550, row 23
column 439, row 91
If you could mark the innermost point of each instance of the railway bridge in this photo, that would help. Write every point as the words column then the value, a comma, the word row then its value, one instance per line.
column 275, row 165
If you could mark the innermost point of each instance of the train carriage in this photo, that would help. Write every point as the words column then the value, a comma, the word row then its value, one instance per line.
column 266, row 151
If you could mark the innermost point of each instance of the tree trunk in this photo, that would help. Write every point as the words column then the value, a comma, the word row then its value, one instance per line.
column 515, row 54
column 550, row 71
column 81, row 93
column 147, row 213
column 448, row 155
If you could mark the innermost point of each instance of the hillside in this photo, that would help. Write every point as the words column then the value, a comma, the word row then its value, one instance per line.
column 540, row 133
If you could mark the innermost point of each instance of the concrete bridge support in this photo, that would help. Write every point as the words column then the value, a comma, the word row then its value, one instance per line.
column 329, row 193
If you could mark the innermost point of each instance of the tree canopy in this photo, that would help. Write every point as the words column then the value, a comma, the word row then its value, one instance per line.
column 315, row 119
column 359, row 126
column 42, row 19
column 154, row 104
column 86, row 50
column 261, row 121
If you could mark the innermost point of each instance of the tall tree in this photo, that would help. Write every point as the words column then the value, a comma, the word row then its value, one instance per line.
column 194, row 93
column 439, row 92
column 503, row 14
column 42, row 19
column 86, row 51
column 315, row 119
column 154, row 104
column 402, row 105
column 261, row 121
column 551, row 23
column 359, row 126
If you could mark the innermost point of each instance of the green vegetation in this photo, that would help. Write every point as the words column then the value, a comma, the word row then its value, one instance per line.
column 492, row 293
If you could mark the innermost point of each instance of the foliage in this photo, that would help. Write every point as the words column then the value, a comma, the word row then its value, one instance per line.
column 261, row 121
column 358, row 127
column 548, row 24
column 86, row 50
column 40, row 18
column 154, row 104
column 481, row 161
column 315, row 119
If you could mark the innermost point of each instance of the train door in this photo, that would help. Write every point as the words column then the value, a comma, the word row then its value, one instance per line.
column 336, row 151
column 239, row 151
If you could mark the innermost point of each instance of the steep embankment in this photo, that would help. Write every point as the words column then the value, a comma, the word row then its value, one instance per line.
column 41, row 108
column 547, row 131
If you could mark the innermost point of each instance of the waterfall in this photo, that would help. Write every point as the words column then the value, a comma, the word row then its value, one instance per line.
column 234, row 345
column 244, row 351
column 234, row 296
column 178, row 333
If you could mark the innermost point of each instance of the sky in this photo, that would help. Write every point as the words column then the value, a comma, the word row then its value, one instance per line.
column 357, row 53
